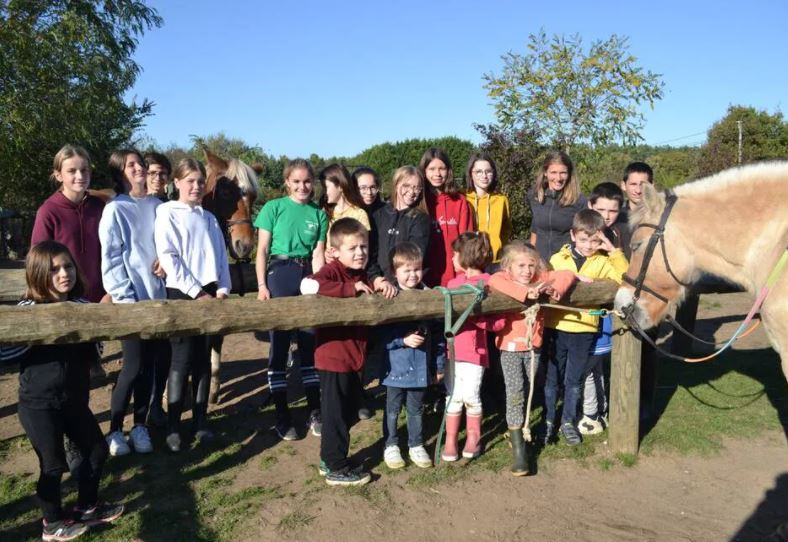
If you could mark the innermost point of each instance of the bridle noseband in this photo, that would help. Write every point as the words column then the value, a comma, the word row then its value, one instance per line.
column 657, row 237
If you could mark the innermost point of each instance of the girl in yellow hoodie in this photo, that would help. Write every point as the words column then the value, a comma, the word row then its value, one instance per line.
column 490, row 207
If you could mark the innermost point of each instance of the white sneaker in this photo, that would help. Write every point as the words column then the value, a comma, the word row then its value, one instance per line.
column 140, row 439
column 174, row 442
column 420, row 457
column 589, row 426
column 393, row 457
column 117, row 444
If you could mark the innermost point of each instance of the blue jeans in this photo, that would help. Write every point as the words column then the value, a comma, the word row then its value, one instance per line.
column 414, row 405
column 567, row 355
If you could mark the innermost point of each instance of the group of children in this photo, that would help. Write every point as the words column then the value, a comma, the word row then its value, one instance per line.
column 149, row 248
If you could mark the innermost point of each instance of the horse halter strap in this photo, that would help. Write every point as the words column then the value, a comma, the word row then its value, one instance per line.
column 657, row 237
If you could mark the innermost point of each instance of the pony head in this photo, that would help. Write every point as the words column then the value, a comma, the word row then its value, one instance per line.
column 230, row 190
column 649, row 309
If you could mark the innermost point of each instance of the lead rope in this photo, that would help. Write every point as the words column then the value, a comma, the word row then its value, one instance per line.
column 449, row 331
column 530, row 319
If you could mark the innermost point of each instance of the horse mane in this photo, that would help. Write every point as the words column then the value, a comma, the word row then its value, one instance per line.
column 768, row 171
column 244, row 174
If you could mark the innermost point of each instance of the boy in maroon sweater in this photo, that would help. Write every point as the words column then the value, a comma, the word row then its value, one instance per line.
column 340, row 350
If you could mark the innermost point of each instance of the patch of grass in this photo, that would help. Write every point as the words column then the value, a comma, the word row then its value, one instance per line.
column 13, row 445
column 605, row 464
column 17, row 501
column 294, row 520
column 224, row 511
column 267, row 461
column 628, row 460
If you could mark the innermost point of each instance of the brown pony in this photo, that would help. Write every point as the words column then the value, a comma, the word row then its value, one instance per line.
column 733, row 225
column 230, row 191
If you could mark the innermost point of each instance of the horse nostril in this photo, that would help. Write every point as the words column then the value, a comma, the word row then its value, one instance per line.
column 242, row 249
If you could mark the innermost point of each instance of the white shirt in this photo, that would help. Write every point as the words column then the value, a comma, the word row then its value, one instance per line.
column 191, row 249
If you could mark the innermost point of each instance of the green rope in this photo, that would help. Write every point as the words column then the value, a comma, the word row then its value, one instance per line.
column 450, row 331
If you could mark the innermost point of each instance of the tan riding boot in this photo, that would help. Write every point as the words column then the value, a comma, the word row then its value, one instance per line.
column 473, row 431
column 452, row 430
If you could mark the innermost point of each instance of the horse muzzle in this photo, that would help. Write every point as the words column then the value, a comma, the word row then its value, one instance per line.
column 633, row 310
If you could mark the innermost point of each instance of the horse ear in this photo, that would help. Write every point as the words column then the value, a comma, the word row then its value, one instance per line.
column 258, row 168
column 215, row 162
column 653, row 200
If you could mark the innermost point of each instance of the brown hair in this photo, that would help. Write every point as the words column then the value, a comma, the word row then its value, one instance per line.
column 474, row 250
column 405, row 253
column 157, row 158
column 117, row 164
column 434, row 153
column 298, row 163
column 516, row 248
column 186, row 166
column 345, row 227
column 339, row 175
column 588, row 221
column 66, row 152
column 478, row 157
column 571, row 191
column 38, row 269
column 403, row 173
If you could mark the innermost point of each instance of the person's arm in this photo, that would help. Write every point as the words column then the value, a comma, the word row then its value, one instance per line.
column 318, row 256
column 225, row 284
column 500, row 283
column 261, row 263
column 328, row 282
column 167, row 249
column 616, row 266
column 506, row 223
column 466, row 217
column 43, row 229
column 114, row 275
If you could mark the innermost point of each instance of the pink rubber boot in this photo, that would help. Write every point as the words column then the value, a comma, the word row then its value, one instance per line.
column 473, row 431
column 452, row 430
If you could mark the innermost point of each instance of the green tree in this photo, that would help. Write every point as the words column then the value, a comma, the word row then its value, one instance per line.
column 567, row 95
column 764, row 137
column 65, row 66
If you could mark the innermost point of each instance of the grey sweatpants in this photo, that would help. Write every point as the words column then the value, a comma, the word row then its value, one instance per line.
column 594, row 396
column 516, row 371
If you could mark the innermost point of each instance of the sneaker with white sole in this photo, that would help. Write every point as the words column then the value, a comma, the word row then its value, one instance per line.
column 420, row 457
column 590, row 426
column 393, row 457
column 314, row 424
column 117, row 444
column 140, row 439
column 98, row 514
column 174, row 442
column 348, row 477
column 63, row 530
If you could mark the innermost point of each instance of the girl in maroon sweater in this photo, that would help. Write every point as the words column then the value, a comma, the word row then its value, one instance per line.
column 451, row 216
column 71, row 216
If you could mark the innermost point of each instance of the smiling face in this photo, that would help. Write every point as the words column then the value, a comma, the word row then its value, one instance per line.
column 299, row 185
column 408, row 275
column 408, row 191
column 557, row 175
column 74, row 176
column 368, row 188
column 135, row 175
column 483, row 175
column 523, row 269
column 63, row 276
column 437, row 173
column 191, row 188
column 353, row 251
column 633, row 186
column 585, row 244
column 157, row 180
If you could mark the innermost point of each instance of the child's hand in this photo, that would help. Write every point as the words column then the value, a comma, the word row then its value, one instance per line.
column 385, row 288
column 414, row 340
column 158, row 270
column 604, row 242
column 263, row 293
column 363, row 288
column 533, row 292
column 583, row 278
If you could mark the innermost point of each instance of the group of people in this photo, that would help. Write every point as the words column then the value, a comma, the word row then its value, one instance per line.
column 431, row 232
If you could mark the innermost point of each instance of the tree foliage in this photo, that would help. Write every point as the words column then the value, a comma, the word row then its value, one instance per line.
column 568, row 95
column 764, row 137
column 65, row 66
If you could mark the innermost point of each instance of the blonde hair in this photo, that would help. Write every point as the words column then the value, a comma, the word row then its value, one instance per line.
column 67, row 151
column 186, row 166
column 400, row 176
column 521, row 248
column 571, row 191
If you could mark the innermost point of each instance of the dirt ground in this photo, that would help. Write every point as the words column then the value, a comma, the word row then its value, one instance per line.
column 740, row 493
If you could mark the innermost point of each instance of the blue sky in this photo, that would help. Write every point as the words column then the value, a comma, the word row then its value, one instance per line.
column 334, row 78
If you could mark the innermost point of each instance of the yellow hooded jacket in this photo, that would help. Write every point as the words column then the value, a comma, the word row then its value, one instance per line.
column 491, row 214
column 597, row 266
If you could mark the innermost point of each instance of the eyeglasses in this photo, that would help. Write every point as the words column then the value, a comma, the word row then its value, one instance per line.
column 485, row 172
column 368, row 189
column 157, row 174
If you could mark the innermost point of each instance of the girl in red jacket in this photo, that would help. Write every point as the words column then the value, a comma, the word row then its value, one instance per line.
column 450, row 214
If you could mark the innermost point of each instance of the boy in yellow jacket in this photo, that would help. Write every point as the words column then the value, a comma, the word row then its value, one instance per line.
column 570, row 337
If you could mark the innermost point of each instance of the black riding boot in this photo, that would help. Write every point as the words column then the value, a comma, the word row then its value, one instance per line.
column 519, row 453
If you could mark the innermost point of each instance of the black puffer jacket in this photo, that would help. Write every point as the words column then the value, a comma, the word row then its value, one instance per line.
column 392, row 227
column 551, row 222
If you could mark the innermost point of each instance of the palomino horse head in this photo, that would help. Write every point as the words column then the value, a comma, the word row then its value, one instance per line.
column 230, row 191
column 668, row 267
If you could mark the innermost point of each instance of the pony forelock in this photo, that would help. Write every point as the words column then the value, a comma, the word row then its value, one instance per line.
column 244, row 174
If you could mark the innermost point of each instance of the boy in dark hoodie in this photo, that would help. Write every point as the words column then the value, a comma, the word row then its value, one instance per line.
column 340, row 350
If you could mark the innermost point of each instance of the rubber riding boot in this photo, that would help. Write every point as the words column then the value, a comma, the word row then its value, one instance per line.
column 452, row 430
column 519, row 453
column 473, row 436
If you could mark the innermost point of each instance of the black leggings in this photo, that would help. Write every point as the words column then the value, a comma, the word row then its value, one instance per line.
column 136, row 375
column 190, row 356
column 46, row 428
column 161, row 371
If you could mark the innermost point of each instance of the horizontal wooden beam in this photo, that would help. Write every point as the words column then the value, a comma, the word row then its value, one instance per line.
column 69, row 322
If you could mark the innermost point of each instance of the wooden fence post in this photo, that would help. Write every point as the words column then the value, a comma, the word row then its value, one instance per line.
column 624, row 390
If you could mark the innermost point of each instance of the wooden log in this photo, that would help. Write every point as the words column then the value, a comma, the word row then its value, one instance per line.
column 624, row 428
column 69, row 322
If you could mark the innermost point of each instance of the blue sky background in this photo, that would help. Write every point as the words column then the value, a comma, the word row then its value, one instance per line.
column 334, row 78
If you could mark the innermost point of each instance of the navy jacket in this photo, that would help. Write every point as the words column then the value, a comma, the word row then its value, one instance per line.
column 551, row 222
column 391, row 227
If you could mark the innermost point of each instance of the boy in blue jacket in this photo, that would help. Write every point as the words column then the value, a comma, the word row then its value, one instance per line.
column 413, row 353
